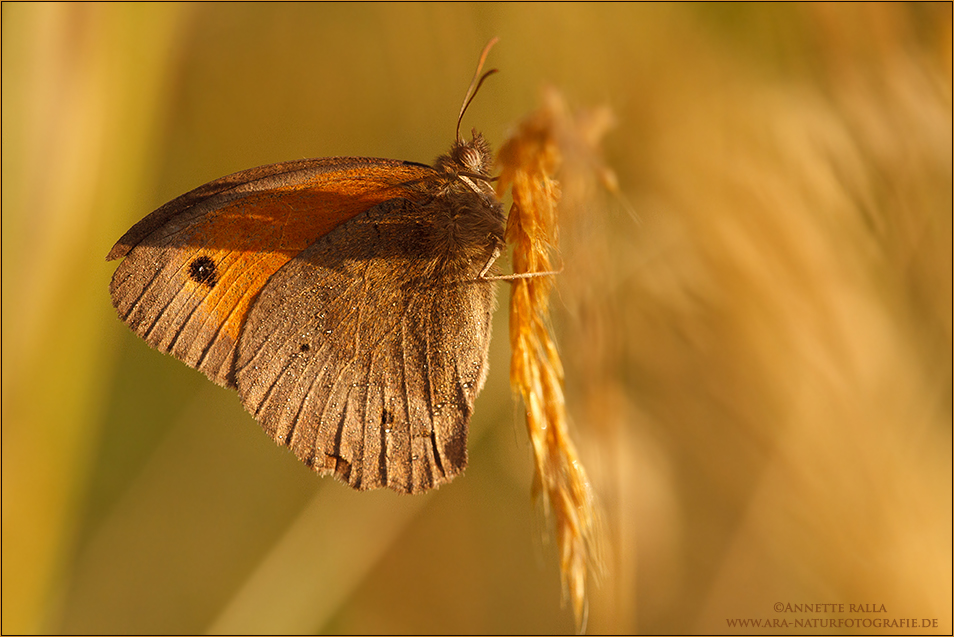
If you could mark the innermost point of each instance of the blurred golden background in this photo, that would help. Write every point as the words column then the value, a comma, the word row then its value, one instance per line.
column 757, row 331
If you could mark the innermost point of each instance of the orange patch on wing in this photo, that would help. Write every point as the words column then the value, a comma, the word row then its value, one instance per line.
column 251, row 238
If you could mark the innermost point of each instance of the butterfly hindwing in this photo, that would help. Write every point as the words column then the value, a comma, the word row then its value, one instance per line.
column 351, row 358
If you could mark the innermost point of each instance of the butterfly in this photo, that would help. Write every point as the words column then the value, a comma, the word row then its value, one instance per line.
column 348, row 300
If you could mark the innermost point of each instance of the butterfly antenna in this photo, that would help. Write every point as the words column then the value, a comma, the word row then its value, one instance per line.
column 475, row 83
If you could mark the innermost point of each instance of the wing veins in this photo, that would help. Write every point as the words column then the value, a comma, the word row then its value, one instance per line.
column 190, row 295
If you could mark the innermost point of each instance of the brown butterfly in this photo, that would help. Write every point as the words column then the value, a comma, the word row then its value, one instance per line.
column 346, row 299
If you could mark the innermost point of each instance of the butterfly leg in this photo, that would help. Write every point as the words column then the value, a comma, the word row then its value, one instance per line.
column 490, row 262
column 508, row 277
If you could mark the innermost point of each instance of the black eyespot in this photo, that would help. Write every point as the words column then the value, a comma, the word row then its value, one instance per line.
column 304, row 347
column 203, row 270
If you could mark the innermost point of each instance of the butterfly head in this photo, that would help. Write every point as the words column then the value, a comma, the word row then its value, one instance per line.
column 472, row 158
column 471, row 161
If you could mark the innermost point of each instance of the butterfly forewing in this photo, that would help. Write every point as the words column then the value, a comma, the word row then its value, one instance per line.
column 194, row 267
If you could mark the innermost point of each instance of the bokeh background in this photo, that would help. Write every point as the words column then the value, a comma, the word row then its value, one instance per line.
column 756, row 329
